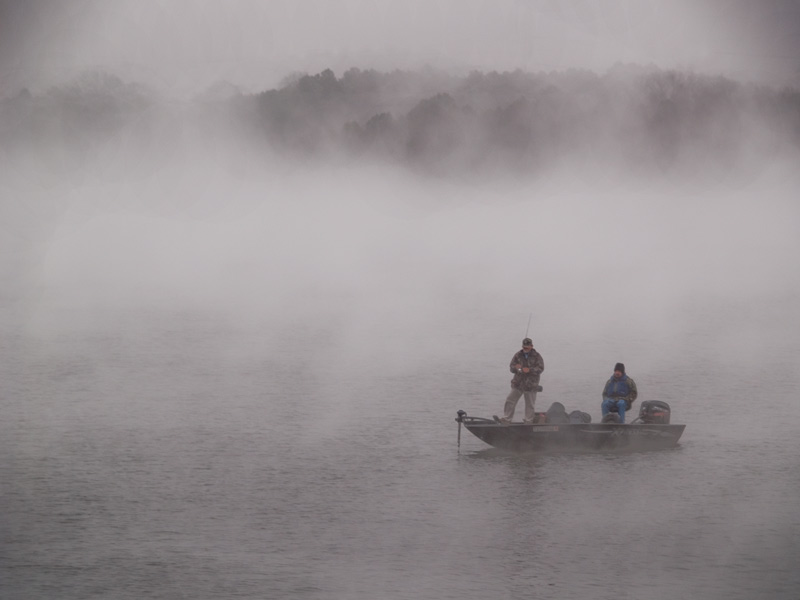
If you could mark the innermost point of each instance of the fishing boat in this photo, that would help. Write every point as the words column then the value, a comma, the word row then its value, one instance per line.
column 650, row 431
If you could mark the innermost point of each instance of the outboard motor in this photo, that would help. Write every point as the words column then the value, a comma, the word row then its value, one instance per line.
column 654, row 412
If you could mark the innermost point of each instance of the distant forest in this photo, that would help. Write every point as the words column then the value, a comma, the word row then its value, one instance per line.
column 639, row 118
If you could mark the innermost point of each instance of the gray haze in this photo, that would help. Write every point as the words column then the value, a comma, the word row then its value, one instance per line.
column 187, row 45
column 229, row 366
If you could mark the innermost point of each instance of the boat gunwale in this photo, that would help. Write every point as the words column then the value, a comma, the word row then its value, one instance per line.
column 567, row 436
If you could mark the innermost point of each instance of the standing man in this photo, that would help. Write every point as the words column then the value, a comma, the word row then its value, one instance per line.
column 619, row 392
column 526, row 365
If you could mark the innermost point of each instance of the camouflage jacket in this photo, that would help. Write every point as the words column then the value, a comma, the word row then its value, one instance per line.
column 526, row 381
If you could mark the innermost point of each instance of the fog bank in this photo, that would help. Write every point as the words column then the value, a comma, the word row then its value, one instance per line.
column 182, row 47
column 631, row 120
column 379, row 202
column 376, row 246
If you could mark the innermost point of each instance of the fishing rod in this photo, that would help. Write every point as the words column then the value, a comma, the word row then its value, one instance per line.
column 529, row 324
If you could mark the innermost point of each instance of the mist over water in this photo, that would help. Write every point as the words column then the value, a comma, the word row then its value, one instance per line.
column 235, row 328
column 240, row 383
column 377, row 242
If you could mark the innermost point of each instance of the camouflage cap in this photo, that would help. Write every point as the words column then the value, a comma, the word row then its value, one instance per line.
column 527, row 342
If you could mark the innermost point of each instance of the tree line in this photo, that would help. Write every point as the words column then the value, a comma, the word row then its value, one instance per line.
column 641, row 118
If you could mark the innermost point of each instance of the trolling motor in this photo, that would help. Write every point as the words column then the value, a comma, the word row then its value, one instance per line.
column 460, row 419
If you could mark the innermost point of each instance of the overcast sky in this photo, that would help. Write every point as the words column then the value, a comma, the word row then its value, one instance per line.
column 182, row 45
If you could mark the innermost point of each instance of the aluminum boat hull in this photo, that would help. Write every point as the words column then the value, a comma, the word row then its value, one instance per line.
column 572, row 437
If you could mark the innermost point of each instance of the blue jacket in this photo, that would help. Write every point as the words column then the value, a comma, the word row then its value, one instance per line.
column 623, row 388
